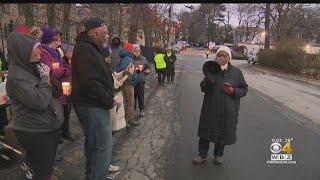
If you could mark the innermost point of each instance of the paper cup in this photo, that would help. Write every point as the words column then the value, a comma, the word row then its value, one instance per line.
column 66, row 87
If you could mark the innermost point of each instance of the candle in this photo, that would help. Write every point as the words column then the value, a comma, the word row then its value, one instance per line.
column 66, row 88
column 55, row 65
column 140, row 67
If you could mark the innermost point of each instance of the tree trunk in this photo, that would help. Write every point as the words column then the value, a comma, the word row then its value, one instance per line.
column 66, row 21
column 267, row 27
column 29, row 21
column 51, row 14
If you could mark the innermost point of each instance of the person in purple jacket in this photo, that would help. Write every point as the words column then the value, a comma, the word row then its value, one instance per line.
column 51, row 57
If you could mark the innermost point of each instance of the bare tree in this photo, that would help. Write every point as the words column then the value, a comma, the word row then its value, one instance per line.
column 29, row 20
column 51, row 15
column 267, row 27
column 66, row 19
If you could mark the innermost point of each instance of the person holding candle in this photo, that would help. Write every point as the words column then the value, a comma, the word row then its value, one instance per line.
column 223, row 86
column 143, row 68
column 60, row 70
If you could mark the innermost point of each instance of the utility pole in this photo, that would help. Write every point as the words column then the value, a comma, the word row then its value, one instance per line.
column 170, row 24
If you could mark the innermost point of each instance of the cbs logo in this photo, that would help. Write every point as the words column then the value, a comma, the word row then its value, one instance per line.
column 277, row 148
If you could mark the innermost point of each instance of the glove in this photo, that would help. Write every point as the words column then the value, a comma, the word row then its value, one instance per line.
column 43, row 69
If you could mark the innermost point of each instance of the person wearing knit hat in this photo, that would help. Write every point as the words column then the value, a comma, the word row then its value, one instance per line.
column 60, row 70
column 22, row 29
column 143, row 69
column 128, row 46
column 223, row 85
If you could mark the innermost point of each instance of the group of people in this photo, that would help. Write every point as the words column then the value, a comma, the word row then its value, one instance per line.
column 103, row 81
column 165, row 65
column 105, row 84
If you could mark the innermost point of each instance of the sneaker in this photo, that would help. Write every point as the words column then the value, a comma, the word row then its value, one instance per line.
column 135, row 123
column 113, row 168
column 24, row 166
column 29, row 174
column 218, row 160
column 142, row 114
column 199, row 160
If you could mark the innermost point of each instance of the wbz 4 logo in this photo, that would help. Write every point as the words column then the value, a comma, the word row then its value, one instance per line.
column 281, row 153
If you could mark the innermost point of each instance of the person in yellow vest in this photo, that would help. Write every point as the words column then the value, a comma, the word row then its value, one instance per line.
column 161, row 66
column 170, row 59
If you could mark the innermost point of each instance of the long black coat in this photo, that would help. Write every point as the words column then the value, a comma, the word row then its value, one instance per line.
column 170, row 62
column 219, row 113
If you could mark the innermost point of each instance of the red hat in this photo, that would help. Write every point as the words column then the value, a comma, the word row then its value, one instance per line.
column 23, row 29
column 128, row 46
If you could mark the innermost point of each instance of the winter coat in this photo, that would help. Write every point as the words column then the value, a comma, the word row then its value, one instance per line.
column 115, row 57
column 126, row 59
column 34, row 108
column 117, row 113
column 92, row 83
column 49, row 56
column 170, row 61
column 141, row 60
column 219, row 113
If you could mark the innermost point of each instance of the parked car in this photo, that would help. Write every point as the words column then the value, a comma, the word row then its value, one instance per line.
column 252, row 57
column 176, row 48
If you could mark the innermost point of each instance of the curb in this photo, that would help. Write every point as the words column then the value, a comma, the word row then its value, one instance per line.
column 288, row 77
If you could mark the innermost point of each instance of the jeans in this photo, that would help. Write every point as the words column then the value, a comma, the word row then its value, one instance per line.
column 139, row 95
column 40, row 150
column 98, row 140
column 204, row 147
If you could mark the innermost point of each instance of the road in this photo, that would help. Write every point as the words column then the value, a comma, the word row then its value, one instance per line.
column 273, row 108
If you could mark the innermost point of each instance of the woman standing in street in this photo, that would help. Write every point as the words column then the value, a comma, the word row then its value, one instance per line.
column 223, row 86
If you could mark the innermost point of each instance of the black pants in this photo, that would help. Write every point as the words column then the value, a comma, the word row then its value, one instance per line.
column 161, row 76
column 3, row 120
column 139, row 95
column 170, row 75
column 65, row 125
column 204, row 148
column 41, row 150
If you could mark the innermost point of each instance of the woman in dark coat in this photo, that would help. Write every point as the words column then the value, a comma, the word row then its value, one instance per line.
column 223, row 86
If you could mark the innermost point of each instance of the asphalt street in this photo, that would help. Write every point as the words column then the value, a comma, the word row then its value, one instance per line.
column 262, row 117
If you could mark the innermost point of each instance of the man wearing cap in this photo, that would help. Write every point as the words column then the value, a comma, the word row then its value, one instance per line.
column 143, row 68
column 223, row 86
column 93, row 96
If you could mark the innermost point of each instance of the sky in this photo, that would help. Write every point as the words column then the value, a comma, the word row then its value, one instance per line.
column 233, row 16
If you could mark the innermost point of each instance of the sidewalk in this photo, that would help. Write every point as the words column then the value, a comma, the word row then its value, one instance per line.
column 299, row 78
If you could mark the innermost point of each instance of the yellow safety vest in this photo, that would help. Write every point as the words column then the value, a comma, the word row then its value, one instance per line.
column 160, row 62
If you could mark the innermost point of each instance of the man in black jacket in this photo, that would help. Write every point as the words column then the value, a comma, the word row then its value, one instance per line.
column 93, row 96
